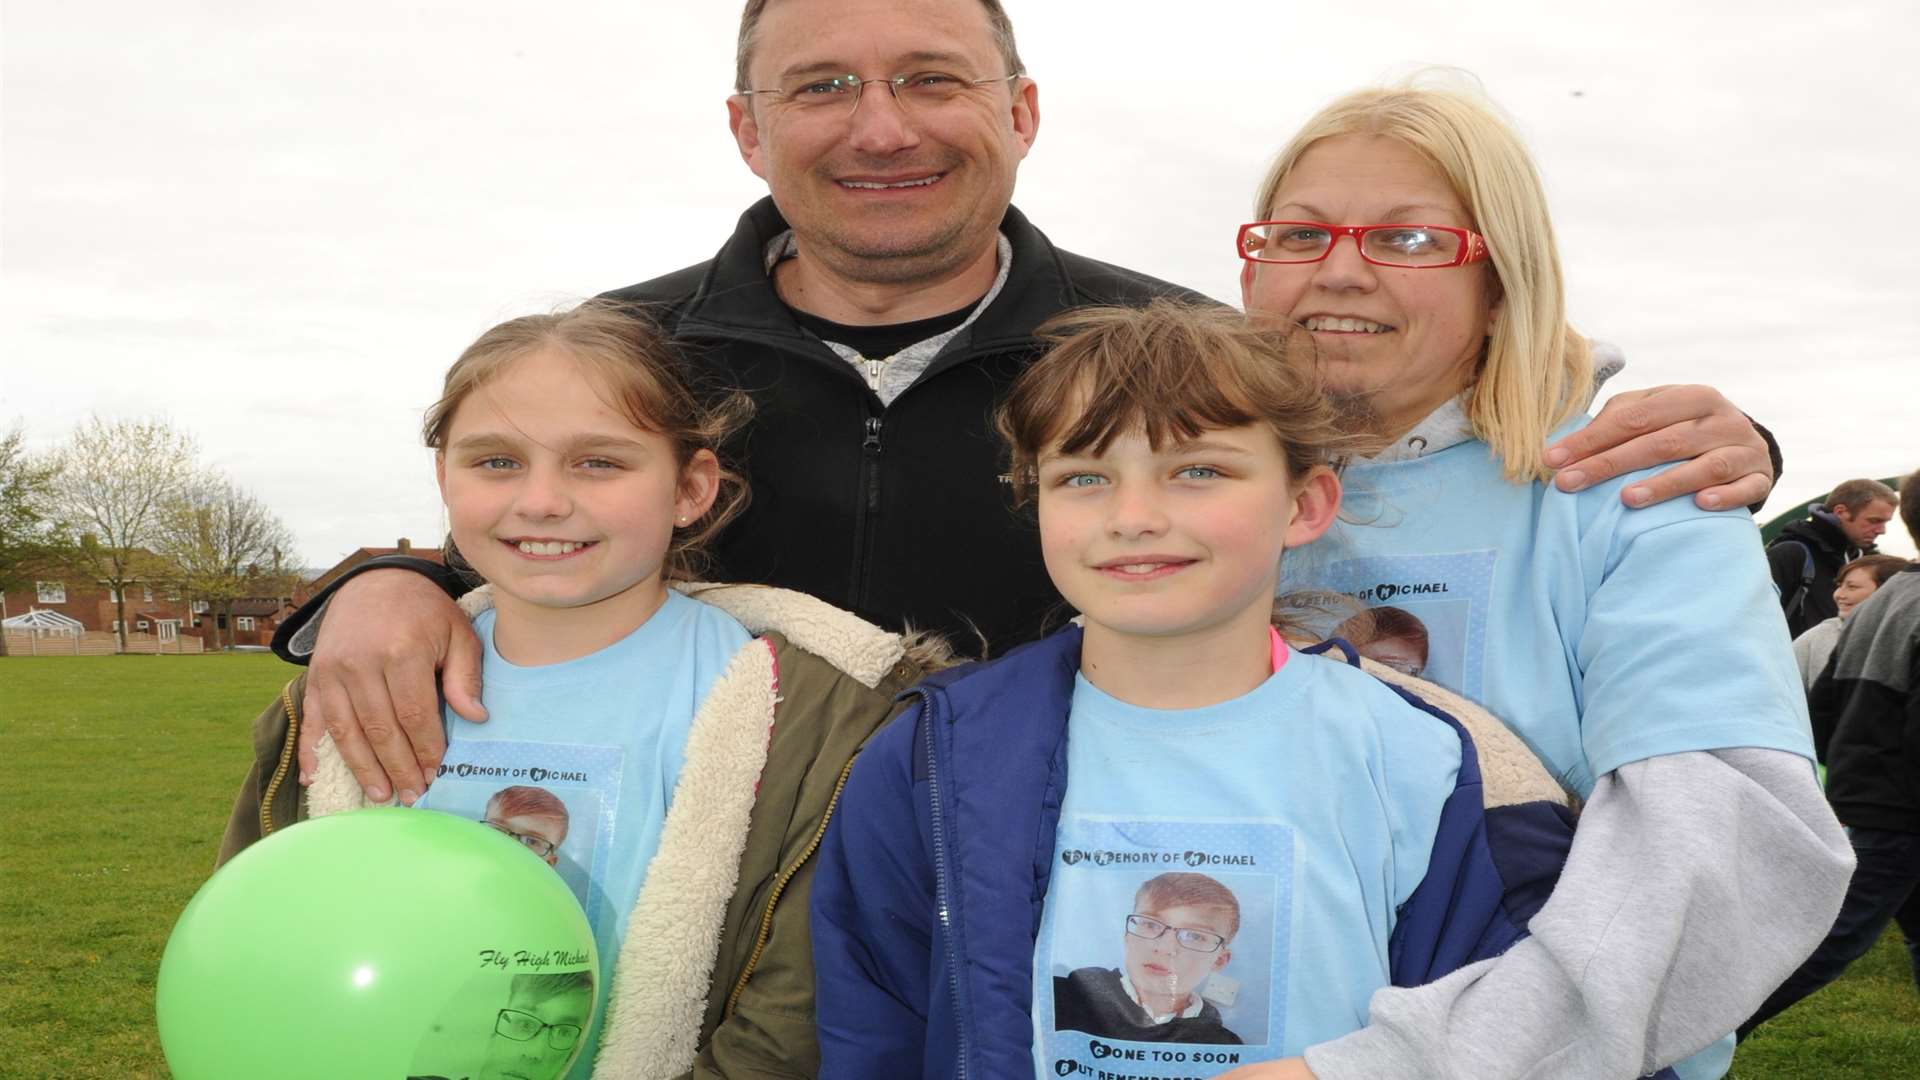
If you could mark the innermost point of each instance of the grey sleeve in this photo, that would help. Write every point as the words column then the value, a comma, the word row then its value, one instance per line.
column 1696, row 883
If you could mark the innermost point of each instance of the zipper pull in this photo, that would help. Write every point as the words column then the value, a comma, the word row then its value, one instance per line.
column 871, row 444
column 874, row 368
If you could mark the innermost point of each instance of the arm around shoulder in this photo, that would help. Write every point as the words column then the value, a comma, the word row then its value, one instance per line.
column 293, row 641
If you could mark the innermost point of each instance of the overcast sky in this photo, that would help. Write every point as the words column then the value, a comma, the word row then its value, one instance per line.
column 277, row 224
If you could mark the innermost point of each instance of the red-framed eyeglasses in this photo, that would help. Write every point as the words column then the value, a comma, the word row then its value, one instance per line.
column 1410, row 247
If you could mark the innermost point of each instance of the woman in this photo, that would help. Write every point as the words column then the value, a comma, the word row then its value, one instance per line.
column 1857, row 581
column 1640, row 653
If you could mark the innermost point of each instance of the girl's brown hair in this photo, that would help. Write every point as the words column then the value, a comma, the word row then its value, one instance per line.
column 1172, row 370
column 1878, row 567
column 639, row 375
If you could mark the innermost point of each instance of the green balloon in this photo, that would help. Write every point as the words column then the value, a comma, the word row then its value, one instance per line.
column 378, row 945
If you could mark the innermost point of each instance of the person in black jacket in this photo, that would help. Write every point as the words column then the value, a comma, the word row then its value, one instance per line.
column 1807, row 555
column 1866, row 729
column 874, row 306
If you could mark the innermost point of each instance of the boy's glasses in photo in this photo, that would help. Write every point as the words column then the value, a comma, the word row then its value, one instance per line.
column 1152, row 929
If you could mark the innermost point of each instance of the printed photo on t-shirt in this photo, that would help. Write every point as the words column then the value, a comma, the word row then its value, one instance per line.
column 1164, row 950
column 559, row 800
column 1424, row 615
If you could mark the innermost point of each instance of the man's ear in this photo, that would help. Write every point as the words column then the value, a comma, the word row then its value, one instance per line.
column 440, row 473
column 746, row 133
column 699, row 486
column 1316, row 502
column 1221, row 960
column 1026, row 113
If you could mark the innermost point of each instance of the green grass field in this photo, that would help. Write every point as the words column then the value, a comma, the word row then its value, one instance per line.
column 116, row 775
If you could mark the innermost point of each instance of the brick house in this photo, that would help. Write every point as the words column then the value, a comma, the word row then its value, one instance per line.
column 361, row 555
column 150, row 608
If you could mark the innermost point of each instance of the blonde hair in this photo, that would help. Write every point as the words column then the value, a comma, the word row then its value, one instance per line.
column 639, row 375
column 1537, row 372
column 1169, row 369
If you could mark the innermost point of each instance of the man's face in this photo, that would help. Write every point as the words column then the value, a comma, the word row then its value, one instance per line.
column 1867, row 525
column 885, row 193
column 1163, row 967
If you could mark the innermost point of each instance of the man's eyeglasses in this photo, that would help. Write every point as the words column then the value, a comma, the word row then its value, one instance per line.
column 539, row 845
column 829, row 94
column 1150, row 928
column 1411, row 247
column 523, row 1027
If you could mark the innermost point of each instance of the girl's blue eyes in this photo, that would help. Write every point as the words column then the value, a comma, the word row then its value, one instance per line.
column 1190, row 472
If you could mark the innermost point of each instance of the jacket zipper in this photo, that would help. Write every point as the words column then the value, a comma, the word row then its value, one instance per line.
column 287, row 751
column 867, row 511
column 943, row 896
column 780, row 886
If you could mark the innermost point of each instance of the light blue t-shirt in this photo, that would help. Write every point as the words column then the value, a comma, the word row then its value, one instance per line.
column 1295, row 820
column 1603, row 635
column 597, row 741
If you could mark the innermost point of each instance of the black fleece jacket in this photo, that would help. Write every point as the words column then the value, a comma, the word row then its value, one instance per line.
column 897, row 512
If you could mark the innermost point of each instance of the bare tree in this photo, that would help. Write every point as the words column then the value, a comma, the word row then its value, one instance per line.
column 221, row 544
column 30, row 535
column 116, row 477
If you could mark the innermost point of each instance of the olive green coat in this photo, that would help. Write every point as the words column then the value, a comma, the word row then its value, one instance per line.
column 724, row 909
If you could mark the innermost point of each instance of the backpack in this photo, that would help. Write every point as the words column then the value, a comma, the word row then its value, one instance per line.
column 1793, row 602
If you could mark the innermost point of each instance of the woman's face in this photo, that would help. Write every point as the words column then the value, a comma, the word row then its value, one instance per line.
column 1411, row 339
column 1855, row 586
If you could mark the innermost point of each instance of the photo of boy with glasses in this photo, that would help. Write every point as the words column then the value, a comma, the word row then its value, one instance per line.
column 532, row 815
column 537, row 1033
column 1179, row 934
column 535, row 1036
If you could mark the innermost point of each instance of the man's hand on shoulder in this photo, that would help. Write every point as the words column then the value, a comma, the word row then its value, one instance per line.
column 371, row 681
column 1724, row 460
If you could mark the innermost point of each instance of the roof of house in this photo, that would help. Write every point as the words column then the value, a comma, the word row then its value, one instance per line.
column 360, row 555
column 258, row 605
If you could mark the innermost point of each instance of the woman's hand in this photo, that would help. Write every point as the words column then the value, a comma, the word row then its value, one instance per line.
column 370, row 683
column 1288, row 1069
column 1725, row 461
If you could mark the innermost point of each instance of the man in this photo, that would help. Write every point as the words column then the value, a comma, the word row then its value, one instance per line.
column 1807, row 556
column 1866, row 727
column 874, row 305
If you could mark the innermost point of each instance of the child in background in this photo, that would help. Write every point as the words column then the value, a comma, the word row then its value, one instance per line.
column 579, row 471
column 1174, row 454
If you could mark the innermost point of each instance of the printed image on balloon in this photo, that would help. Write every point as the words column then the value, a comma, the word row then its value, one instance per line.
column 380, row 943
